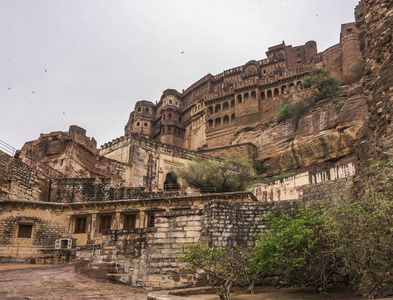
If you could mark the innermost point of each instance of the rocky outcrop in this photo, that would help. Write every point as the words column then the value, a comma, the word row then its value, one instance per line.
column 321, row 135
column 374, row 20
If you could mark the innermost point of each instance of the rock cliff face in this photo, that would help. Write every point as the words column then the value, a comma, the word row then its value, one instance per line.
column 320, row 136
column 374, row 20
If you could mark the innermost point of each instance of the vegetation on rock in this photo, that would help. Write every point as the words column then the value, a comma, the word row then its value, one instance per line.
column 325, row 86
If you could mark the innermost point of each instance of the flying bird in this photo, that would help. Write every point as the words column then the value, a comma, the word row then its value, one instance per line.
column 182, row 52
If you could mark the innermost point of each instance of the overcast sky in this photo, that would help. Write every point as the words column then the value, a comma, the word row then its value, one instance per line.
column 86, row 62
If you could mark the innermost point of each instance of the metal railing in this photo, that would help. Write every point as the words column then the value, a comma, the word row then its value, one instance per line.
column 7, row 148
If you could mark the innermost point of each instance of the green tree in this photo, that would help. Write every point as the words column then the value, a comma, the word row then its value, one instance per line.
column 326, row 85
column 364, row 229
column 229, row 175
column 298, row 249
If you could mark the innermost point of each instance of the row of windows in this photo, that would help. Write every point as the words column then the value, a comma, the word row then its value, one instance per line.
column 246, row 97
column 171, row 102
column 217, row 107
column 217, row 122
column 146, row 109
column 175, row 131
column 283, row 91
column 169, row 117
column 105, row 222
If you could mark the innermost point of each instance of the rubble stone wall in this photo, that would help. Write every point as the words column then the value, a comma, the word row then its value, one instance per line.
column 48, row 223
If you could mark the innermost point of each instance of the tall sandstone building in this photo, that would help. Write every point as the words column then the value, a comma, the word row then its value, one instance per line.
column 212, row 111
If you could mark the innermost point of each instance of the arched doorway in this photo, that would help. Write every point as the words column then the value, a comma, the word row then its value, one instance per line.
column 170, row 183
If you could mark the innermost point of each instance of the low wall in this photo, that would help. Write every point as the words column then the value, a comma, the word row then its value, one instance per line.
column 292, row 187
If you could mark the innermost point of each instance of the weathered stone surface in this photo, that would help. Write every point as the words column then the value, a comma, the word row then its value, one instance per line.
column 374, row 20
column 321, row 135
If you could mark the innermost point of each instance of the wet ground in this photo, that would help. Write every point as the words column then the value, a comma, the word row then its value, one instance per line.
column 20, row 281
column 271, row 293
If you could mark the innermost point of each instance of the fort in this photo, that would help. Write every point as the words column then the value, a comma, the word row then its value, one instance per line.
column 121, row 212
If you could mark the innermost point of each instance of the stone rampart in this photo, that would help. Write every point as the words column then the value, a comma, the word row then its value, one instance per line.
column 292, row 187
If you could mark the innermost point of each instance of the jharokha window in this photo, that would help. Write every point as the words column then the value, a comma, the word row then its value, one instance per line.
column 80, row 224
column 25, row 231
column 105, row 222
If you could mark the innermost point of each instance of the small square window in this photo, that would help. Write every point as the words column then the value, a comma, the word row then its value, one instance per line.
column 129, row 221
column 80, row 225
column 25, row 230
column 105, row 222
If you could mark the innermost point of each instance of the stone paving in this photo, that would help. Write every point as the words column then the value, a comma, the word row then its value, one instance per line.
column 58, row 282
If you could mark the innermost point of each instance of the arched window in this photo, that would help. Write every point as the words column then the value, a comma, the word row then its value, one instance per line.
column 225, row 106
column 283, row 90
column 210, row 110
column 276, row 92
column 218, row 122
column 217, row 108
column 139, row 109
column 145, row 124
column 239, row 99
column 253, row 95
column 163, row 116
column 147, row 109
column 232, row 103
column 291, row 88
column 246, row 97
column 232, row 118
column 262, row 95
column 210, row 122
column 138, row 124
column 225, row 120
column 170, row 183
column 269, row 94
column 169, row 116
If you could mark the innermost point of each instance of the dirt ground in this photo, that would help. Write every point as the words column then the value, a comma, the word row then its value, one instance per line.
column 21, row 281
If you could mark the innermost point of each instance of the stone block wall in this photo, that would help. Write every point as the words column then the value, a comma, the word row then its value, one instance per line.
column 48, row 223
column 20, row 181
column 328, row 193
column 229, row 224
column 155, row 264
column 74, row 190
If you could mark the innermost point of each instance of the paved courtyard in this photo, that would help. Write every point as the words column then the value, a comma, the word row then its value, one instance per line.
column 19, row 281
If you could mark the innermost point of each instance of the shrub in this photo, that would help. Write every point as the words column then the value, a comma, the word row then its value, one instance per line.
column 339, row 105
column 221, row 267
column 284, row 113
column 229, row 175
column 298, row 249
column 326, row 86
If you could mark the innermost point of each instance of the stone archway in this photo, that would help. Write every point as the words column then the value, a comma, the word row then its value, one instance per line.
column 170, row 183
